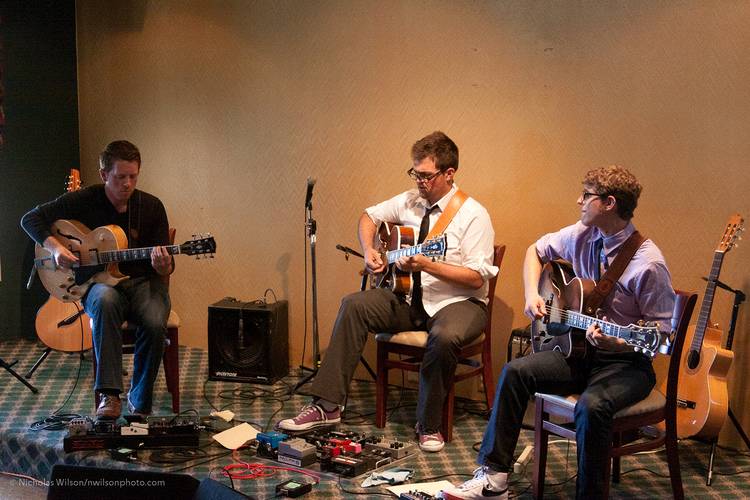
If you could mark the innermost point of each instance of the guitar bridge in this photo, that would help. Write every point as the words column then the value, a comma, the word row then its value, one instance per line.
column 685, row 403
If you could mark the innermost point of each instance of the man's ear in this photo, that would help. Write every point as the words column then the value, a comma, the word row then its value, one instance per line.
column 611, row 202
column 103, row 175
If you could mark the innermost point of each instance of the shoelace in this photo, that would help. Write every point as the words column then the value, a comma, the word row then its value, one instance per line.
column 308, row 409
column 479, row 477
column 431, row 437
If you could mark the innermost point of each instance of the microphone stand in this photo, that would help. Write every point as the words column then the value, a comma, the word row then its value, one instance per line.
column 311, row 228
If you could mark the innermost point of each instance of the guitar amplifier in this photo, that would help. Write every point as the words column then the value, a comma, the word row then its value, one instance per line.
column 248, row 341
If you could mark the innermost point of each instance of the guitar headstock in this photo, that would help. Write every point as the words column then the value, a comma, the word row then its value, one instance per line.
column 644, row 338
column 735, row 225
column 435, row 247
column 73, row 183
column 199, row 245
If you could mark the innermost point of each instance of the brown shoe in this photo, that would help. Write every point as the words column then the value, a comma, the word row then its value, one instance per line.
column 110, row 406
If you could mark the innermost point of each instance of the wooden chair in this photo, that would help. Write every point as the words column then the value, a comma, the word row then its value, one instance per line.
column 170, row 359
column 412, row 344
column 656, row 410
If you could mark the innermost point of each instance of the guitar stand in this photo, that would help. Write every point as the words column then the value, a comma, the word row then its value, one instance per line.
column 41, row 359
column 9, row 369
column 739, row 298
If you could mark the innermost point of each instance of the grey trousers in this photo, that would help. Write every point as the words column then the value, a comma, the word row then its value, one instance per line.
column 379, row 310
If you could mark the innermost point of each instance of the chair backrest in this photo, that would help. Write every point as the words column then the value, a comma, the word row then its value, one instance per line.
column 683, row 311
column 497, row 260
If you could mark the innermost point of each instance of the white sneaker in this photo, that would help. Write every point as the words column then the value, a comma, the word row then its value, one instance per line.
column 476, row 488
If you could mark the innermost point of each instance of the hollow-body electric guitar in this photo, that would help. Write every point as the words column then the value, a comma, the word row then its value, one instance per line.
column 564, row 326
column 399, row 241
column 98, row 251
column 63, row 326
column 702, row 396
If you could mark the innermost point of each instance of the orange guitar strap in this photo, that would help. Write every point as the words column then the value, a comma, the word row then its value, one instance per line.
column 450, row 211
column 607, row 282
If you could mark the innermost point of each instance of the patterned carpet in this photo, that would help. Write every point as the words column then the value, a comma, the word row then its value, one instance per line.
column 34, row 452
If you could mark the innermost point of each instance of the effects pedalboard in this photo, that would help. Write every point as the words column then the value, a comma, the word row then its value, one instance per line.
column 345, row 453
column 153, row 432
column 416, row 495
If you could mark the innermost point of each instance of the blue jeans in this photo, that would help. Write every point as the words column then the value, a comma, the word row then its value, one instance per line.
column 607, row 383
column 141, row 301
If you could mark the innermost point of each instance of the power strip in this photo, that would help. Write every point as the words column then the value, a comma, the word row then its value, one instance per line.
column 523, row 459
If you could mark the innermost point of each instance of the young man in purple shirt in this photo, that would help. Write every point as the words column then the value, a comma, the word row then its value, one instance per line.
column 613, row 376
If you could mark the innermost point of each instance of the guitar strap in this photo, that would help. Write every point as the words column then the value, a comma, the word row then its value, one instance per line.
column 455, row 203
column 607, row 282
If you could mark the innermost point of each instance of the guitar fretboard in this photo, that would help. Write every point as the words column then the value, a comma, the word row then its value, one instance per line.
column 394, row 255
column 708, row 302
column 109, row 256
column 578, row 320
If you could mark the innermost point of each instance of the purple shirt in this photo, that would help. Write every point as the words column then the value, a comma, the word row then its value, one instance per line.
column 644, row 291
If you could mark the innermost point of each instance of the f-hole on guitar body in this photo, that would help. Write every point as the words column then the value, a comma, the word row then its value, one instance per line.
column 561, row 291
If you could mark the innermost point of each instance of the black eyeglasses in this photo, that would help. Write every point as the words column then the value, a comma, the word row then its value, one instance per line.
column 586, row 194
column 422, row 177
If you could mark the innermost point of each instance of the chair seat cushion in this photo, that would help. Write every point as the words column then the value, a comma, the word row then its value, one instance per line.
column 172, row 322
column 413, row 338
column 652, row 402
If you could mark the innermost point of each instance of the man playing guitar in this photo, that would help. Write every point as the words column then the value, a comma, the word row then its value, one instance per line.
column 611, row 376
column 142, row 299
column 451, row 305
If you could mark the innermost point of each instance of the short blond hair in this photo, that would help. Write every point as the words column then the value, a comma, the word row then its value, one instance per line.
column 617, row 181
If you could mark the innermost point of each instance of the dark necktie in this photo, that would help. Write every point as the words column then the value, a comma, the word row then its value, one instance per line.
column 416, row 291
column 601, row 259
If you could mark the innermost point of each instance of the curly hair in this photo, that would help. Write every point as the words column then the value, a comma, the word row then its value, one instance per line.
column 439, row 147
column 617, row 181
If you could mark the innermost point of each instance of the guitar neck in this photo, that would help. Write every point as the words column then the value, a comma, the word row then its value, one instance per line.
column 581, row 321
column 128, row 254
column 708, row 302
column 393, row 255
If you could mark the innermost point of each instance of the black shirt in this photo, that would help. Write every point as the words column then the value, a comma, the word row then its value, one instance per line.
column 144, row 222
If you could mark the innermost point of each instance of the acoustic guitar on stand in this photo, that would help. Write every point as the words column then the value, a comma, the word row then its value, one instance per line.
column 98, row 251
column 399, row 241
column 63, row 326
column 702, row 396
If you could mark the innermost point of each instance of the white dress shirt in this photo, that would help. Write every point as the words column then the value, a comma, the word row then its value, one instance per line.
column 470, row 240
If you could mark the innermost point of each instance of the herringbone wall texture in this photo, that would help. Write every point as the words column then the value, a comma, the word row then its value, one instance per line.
column 235, row 103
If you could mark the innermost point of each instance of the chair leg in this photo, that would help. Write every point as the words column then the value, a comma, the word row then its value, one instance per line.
column 607, row 474
column 172, row 368
column 448, row 414
column 616, row 443
column 381, row 387
column 541, row 437
column 673, row 460
column 488, row 379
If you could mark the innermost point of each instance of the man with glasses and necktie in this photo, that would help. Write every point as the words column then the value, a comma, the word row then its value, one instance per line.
column 613, row 376
column 448, row 297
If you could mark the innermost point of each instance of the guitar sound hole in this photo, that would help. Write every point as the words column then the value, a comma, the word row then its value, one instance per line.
column 693, row 359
